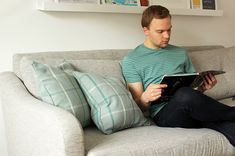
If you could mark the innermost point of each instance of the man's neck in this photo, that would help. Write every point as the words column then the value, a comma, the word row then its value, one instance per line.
column 150, row 45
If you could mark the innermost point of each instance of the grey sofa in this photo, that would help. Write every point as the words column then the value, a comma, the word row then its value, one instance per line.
column 35, row 128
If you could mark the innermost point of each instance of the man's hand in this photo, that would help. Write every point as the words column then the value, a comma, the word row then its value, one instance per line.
column 144, row 98
column 153, row 92
column 209, row 82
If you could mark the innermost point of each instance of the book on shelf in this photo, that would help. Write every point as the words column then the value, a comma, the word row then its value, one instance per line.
column 196, row 4
column 78, row 1
column 122, row 2
column 178, row 4
column 176, row 81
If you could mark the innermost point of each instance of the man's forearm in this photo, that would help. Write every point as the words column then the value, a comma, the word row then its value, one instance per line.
column 143, row 104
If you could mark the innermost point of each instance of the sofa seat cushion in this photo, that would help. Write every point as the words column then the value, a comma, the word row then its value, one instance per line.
column 157, row 141
column 228, row 101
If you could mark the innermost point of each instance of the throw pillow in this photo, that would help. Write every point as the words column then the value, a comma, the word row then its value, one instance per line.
column 27, row 71
column 97, row 66
column 58, row 87
column 112, row 106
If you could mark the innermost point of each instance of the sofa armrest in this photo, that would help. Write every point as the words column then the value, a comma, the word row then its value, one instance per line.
column 34, row 127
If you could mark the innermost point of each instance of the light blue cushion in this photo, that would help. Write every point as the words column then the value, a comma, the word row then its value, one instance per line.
column 112, row 106
column 58, row 87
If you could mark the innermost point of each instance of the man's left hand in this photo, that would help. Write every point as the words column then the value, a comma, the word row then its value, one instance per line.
column 209, row 81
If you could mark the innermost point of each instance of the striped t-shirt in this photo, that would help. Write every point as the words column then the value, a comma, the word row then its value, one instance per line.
column 149, row 65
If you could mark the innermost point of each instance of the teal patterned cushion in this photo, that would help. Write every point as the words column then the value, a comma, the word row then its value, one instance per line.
column 112, row 106
column 58, row 87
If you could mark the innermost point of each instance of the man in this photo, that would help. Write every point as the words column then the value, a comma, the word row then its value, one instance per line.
column 144, row 67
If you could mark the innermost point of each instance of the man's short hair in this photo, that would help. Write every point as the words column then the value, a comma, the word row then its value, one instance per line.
column 154, row 11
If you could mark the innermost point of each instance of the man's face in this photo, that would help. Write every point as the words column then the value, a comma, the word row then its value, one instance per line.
column 158, row 33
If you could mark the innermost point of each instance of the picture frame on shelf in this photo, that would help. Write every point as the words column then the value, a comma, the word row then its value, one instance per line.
column 122, row 2
column 209, row 4
column 181, row 4
column 79, row 1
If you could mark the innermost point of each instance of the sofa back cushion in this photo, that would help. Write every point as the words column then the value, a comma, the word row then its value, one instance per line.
column 107, row 54
column 217, row 59
column 106, row 62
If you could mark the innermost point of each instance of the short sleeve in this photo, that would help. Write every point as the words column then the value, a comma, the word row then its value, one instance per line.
column 189, row 68
column 129, row 71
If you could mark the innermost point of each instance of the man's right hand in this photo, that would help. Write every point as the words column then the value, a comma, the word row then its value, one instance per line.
column 152, row 93
column 144, row 97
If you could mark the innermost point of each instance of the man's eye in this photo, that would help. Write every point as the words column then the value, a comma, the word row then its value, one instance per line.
column 160, row 31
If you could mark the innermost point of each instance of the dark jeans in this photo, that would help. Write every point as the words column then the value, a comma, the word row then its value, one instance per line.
column 189, row 108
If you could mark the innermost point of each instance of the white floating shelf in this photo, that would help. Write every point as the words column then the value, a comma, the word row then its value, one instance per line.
column 76, row 7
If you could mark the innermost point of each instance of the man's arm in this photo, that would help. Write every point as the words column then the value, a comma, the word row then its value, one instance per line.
column 144, row 98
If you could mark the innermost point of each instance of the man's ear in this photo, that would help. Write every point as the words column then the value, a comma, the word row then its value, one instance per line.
column 146, row 31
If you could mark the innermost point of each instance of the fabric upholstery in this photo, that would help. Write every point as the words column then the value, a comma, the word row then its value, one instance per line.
column 112, row 106
column 58, row 87
column 103, row 67
column 99, row 66
column 217, row 59
column 105, row 54
column 35, row 128
column 228, row 101
column 158, row 141
column 57, row 132
column 27, row 72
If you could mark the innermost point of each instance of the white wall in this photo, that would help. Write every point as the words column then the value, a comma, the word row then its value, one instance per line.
column 3, row 146
column 25, row 29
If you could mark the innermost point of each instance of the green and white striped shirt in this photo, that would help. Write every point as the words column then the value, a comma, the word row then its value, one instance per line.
column 149, row 65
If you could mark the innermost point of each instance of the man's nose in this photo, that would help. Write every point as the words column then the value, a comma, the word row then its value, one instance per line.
column 166, row 34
